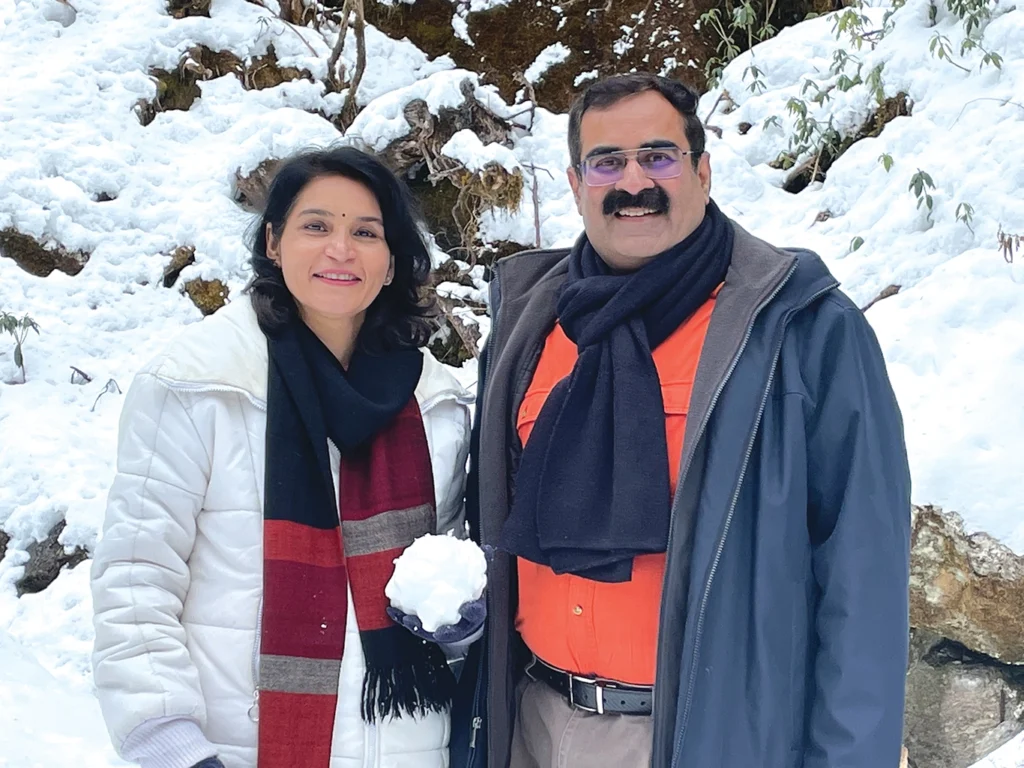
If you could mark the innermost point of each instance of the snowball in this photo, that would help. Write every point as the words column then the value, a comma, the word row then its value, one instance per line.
column 435, row 576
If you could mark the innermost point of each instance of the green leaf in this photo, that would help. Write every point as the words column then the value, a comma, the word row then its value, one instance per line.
column 856, row 243
column 886, row 160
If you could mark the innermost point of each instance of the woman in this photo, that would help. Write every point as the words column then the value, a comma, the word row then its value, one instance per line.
column 237, row 622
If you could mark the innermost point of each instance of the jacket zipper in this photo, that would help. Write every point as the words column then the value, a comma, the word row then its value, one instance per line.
column 739, row 485
column 254, row 710
column 477, row 722
column 371, row 760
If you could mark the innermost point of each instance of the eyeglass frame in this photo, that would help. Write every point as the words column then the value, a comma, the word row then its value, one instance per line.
column 633, row 152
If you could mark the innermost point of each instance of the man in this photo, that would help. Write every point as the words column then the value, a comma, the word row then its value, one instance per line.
column 692, row 465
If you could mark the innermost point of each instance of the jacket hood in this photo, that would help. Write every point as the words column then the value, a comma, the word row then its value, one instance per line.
column 227, row 350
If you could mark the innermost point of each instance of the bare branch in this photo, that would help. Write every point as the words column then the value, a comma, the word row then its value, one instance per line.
column 333, row 78
column 348, row 111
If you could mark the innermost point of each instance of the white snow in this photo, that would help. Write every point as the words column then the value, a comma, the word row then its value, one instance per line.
column 554, row 54
column 435, row 576
column 466, row 147
column 953, row 336
column 46, row 724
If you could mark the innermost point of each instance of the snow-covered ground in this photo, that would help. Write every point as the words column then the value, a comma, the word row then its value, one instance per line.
column 953, row 336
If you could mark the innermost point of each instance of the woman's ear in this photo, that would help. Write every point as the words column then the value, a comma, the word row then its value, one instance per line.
column 391, row 271
column 273, row 247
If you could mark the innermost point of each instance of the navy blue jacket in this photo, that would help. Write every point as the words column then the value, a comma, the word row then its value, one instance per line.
column 784, row 624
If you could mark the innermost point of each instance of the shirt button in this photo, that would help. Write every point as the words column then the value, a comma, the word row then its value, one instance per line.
column 578, row 610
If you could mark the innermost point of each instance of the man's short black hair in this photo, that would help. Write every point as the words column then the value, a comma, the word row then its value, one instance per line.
column 604, row 93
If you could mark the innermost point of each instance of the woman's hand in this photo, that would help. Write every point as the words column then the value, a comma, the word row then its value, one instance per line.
column 471, row 622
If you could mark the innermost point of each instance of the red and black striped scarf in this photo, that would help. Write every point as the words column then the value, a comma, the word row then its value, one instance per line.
column 310, row 561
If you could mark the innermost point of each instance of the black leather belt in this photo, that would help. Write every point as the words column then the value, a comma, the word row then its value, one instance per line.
column 591, row 694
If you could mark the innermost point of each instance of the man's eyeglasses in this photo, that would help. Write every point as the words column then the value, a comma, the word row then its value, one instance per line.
column 655, row 162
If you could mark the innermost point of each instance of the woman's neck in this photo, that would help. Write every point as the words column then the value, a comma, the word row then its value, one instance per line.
column 338, row 334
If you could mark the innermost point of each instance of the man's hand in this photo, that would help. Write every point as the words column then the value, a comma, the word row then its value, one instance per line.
column 472, row 618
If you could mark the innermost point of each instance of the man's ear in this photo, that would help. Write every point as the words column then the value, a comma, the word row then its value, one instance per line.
column 273, row 246
column 704, row 174
column 575, row 182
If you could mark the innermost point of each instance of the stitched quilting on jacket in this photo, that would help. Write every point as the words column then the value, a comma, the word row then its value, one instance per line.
column 178, row 572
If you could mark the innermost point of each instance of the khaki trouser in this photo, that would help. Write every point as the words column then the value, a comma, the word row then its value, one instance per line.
column 549, row 733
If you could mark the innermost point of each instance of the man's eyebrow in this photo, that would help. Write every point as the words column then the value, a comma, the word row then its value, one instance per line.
column 604, row 149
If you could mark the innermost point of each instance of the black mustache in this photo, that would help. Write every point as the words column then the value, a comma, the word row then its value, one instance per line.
column 654, row 198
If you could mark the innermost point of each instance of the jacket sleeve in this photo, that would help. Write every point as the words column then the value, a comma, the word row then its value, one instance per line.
column 140, row 576
column 450, row 440
column 859, row 521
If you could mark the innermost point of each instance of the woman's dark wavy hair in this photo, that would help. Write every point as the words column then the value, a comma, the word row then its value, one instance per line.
column 399, row 318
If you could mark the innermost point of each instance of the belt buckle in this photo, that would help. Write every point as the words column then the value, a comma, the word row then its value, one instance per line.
column 598, row 694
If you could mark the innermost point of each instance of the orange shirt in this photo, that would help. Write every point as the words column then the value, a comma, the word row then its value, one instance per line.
column 588, row 627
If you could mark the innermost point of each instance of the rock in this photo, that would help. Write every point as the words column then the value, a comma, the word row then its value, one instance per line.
column 961, row 706
column 45, row 560
column 4, row 540
column 966, row 588
column 39, row 259
column 207, row 295
column 181, row 257
column 179, row 9
column 251, row 188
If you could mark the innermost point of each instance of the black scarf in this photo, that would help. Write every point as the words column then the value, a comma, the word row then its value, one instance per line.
column 592, row 489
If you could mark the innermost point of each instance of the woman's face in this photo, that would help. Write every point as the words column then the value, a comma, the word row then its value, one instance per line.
column 332, row 252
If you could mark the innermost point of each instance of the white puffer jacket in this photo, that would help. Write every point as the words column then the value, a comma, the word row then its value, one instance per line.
column 177, row 576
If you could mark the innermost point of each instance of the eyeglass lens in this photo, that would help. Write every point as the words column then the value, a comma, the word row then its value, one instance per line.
column 661, row 163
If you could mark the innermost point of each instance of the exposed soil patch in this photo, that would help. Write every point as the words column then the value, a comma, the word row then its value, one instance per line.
column 39, row 259
column 604, row 38
column 181, row 9
column 179, row 88
column 46, row 559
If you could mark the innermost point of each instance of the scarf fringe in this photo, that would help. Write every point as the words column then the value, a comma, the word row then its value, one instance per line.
column 412, row 679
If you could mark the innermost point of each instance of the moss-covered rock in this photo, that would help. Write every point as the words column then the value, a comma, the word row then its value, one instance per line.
column 37, row 258
column 207, row 295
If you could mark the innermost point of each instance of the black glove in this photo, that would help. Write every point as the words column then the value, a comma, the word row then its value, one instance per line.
column 210, row 762
column 472, row 618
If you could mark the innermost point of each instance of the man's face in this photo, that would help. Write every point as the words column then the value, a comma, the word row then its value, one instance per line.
column 634, row 219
